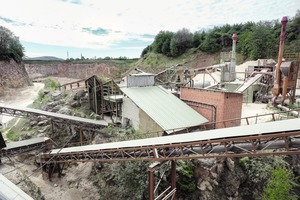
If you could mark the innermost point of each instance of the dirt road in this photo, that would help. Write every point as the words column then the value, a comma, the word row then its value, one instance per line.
column 21, row 97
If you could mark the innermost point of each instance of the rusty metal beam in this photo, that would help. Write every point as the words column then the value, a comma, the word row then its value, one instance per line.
column 239, row 146
column 54, row 117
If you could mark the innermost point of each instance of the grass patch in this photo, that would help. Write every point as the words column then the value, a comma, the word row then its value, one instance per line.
column 16, row 130
column 51, row 85
column 13, row 135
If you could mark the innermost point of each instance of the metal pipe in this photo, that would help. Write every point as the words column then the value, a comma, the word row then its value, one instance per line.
column 232, row 75
column 276, row 88
column 293, row 112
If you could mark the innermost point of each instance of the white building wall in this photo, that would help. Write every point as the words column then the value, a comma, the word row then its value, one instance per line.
column 130, row 112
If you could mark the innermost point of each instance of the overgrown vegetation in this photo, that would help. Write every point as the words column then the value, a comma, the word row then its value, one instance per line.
column 51, row 85
column 17, row 129
column 42, row 98
column 280, row 185
column 255, row 40
column 186, row 182
column 122, row 180
column 10, row 46
column 269, row 178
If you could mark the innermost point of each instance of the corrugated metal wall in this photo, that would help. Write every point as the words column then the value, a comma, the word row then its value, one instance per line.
column 140, row 80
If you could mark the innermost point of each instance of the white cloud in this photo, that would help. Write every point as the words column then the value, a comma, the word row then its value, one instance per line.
column 59, row 22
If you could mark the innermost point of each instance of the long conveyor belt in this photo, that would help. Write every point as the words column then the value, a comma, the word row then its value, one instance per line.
column 14, row 148
column 281, row 137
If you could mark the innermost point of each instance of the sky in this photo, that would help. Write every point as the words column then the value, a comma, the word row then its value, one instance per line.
column 114, row 28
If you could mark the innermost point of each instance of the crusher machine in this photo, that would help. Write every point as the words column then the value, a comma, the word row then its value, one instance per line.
column 286, row 74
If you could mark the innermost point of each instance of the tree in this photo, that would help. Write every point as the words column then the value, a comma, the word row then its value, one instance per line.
column 181, row 41
column 145, row 51
column 166, row 47
column 160, row 39
column 198, row 38
column 262, row 40
column 212, row 41
column 10, row 46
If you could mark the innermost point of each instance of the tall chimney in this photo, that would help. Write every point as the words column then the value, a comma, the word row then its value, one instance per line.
column 277, row 84
column 233, row 58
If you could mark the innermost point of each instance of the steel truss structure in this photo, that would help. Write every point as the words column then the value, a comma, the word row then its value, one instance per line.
column 16, row 148
column 54, row 117
column 273, row 138
column 283, row 143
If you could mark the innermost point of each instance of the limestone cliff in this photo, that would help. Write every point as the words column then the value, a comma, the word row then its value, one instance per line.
column 12, row 75
column 69, row 69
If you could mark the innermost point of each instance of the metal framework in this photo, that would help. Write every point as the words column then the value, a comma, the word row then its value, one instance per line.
column 54, row 117
column 170, row 191
column 281, row 143
column 15, row 148
column 104, row 96
column 285, row 141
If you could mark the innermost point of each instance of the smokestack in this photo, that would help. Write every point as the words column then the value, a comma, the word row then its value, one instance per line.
column 277, row 84
column 233, row 58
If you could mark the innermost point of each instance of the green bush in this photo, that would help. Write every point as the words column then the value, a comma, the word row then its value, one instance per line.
column 280, row 185
column 50, row 84
column 186, row 182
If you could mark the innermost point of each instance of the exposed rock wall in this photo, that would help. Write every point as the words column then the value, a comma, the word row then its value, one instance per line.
column 12, row 75
column 68, row 69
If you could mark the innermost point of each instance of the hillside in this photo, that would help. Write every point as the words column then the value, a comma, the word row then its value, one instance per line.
column 44, row 58
column 154, row 62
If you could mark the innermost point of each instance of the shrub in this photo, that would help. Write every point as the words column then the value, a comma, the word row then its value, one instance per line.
column 280, row 185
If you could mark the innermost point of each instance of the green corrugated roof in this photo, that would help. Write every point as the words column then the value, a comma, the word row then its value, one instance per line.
column 163, row 107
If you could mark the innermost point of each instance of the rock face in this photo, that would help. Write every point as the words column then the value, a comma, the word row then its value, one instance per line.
column 219, row 180
column 69, row 69
column 12, row 75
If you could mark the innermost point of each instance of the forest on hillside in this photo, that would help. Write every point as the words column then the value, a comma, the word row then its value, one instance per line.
column 255, row 40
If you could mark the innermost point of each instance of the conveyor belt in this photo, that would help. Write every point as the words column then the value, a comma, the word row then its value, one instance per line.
column 250, row 82
column 258, row 137
column 11, row 191
column 13, row 148
column 57, row 117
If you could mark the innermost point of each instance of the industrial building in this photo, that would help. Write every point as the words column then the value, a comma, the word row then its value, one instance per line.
column 214, row 105
column 151, row 108
column 139, row 103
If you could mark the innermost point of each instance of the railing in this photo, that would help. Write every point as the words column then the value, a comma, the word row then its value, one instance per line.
column 210, row 125
column 73, row 85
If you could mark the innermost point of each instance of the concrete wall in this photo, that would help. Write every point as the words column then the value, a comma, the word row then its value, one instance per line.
column 12, row 75
column 70, row 70
column 138, row 118
column 228, row 105
column 148, row 125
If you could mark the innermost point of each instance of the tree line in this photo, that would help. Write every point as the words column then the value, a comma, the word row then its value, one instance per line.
column 255, row 40
column 10, row 46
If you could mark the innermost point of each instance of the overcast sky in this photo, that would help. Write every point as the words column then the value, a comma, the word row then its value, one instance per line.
column 98, row 28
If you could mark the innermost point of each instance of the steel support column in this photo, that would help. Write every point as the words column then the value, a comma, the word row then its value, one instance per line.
column 173, row 177
column 151, row 182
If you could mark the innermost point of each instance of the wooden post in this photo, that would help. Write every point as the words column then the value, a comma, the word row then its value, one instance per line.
column 95, row 96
